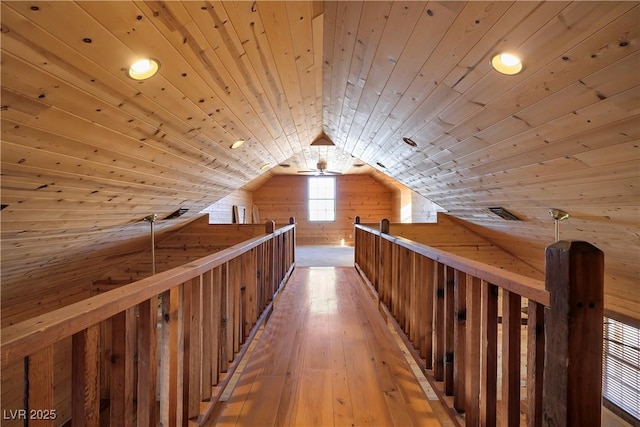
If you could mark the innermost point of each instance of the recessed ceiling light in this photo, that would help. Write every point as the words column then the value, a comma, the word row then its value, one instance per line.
column 506, row 63
column 237, row 144
column 143, row 69
column 410, row 141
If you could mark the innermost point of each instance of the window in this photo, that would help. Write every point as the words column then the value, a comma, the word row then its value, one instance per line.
column 322, row 198
column 621, row 370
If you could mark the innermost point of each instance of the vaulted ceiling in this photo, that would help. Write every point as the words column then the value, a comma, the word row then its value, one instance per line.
column 88, row 152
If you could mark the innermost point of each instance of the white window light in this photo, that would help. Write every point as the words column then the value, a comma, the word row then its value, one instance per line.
column 322, row 198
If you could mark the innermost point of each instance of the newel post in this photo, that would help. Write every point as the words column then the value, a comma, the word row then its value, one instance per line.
column 384, row 226
column 270, row 226
column 572, row 394
column 292, row 220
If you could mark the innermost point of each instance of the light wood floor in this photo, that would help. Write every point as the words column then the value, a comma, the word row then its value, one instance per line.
column 327, row 358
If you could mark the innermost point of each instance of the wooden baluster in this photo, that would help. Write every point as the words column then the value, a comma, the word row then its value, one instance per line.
column 449, row 322
column 414, row 301
column 236, row 284
column 395, row 282
column 40, row 387
column 488, row 386
column 184, row 354
column 271, row 257
column 473, row 351
column 147, row 362
column 535, row 363
column 406, row 293
column 384, row 265
column 376, row 264
column 439, row 323
column 85, row 388
column 260, row 295
column 459, row 339
column 573, row 326
column 208, row 340
column 123, row 333
column 193, row 347
column 229, row 311
column 224, row 318
column 511, row 324
column 170, row 350
column 251, row 308
column 216, row 324
column 427, row 280
column 292, row 220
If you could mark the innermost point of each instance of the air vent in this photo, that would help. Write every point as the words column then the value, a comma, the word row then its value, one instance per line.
column 177, row 213
column 504, row 214
column 3, row 206
column 410, row 141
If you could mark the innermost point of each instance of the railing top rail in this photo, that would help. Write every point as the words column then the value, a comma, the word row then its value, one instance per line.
column 522, row 285
column 34, row 334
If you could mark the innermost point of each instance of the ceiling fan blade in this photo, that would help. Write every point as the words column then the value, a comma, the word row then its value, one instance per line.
column 333, row 172
column 309, row 171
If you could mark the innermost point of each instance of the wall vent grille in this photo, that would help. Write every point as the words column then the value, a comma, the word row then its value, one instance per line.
column 177, row 213
column 504, row 214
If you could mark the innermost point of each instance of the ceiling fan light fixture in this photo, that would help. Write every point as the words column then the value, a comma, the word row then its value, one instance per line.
column 143, row 69
column 506, row 63
column 237, row 144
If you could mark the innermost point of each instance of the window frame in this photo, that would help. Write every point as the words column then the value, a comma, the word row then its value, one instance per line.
column 332, row 199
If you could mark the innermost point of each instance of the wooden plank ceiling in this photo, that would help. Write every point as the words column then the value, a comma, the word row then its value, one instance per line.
column 88, row 152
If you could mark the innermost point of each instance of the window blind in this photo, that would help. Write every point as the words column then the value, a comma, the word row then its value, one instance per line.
column 621, row 370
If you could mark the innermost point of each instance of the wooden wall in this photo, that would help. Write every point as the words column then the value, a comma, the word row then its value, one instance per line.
column 452, row 235
column 285, row 196
column 196, row 240
column 423, row 209
column 221, row 211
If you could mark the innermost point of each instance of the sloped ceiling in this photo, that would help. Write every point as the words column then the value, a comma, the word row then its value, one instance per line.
column 87, row 152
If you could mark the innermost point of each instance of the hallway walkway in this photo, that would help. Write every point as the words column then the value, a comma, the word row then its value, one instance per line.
column 326, row 358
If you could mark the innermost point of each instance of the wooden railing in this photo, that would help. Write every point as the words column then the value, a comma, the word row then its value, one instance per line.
column 448, row 308
column 176, row 338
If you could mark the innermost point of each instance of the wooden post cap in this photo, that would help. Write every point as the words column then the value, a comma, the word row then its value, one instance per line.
column 270, row 226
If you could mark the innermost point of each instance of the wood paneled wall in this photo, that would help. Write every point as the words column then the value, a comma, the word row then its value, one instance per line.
column 196, row 240
column 423, row 209
column 285, row 196
column 221, row 212
column 451, row 235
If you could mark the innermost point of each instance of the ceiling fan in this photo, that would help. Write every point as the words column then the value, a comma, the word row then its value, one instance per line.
column 321, row 169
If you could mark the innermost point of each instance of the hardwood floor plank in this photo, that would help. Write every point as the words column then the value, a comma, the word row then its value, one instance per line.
column 326, row 358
